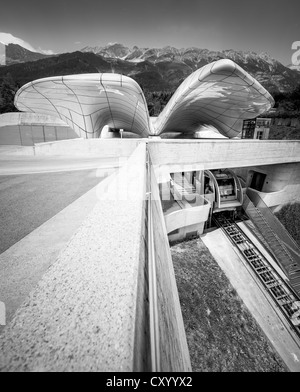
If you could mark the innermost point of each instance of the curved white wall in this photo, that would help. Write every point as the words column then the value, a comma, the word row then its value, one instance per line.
column 186, row 217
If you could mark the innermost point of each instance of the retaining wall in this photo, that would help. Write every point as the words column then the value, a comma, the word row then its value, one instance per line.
column 216, row 154
column 174, row 350
column 105, row 148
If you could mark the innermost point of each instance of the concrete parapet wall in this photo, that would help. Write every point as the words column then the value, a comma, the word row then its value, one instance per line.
column 16, row 150
column 279, row 176
column 100, row 148
column 25, row 118
column 282, row 183
column 174, row 353
column 273, row 199
column 187, row 217
column 28, row 135
column 215, row 154
column 105, row 148
column 26, row 129
column 88, row 312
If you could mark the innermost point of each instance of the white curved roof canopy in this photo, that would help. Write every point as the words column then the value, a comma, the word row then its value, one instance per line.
column 88, row 102
column 220, row 94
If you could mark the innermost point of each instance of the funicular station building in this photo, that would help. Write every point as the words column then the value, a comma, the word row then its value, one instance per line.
column 187, row 172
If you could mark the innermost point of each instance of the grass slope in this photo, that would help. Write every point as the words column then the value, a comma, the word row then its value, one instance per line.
column 289, row 216
column 222, row 335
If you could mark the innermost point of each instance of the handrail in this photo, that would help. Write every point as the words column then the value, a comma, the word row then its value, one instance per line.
column 284, row 294
column 274, row 223
column 249, row 206
column 152, row 276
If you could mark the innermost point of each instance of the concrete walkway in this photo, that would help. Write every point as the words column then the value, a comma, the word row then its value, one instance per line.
column 255, row 298
column 86, row 313
column 23, row 265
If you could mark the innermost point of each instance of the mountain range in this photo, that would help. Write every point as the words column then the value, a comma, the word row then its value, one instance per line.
column 16, row 54
column 154, row 69
column 6, row 39
column 268, row 71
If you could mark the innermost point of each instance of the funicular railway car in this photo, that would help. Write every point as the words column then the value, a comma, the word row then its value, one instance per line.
column 222, row 188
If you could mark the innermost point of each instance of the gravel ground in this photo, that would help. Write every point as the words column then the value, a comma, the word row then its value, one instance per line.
column 222, row 335
column 27, row 201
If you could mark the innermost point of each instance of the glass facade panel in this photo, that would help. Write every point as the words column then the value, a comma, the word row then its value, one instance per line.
column 26, row 135
column 10, row 135
column 248, row 129
column 37, row 134
column 50, row 134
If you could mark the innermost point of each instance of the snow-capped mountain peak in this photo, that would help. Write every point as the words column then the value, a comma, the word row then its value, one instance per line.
column 14, row 50
column 7, row 39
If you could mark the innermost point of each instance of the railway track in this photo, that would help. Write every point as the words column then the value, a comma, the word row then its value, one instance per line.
column 285, row 298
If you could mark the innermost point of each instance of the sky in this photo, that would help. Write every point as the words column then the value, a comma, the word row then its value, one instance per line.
column 69, row 25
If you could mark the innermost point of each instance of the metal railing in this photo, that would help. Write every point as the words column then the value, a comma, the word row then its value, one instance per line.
column 282, row 293
column 152, row 276
column 282, row 247
column 275, row 224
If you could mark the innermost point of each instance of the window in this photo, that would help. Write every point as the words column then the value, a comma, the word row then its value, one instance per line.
column 260, row 135
column 258, row 181
column 248, row 129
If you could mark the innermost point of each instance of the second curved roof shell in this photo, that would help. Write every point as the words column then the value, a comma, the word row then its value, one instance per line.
column 220, row 94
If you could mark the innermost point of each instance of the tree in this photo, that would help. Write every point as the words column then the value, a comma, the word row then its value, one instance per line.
column 8, row 89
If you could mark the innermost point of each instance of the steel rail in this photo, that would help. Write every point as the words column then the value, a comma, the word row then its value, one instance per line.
column 284, row 296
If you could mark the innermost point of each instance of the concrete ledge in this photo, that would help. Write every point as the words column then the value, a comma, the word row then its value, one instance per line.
column 105, row 148
column 215, row 154
column 174, row 353
column 21, row 118
column 100, row 148
column 16, row 150
column 187, row 217
column 83, row 314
